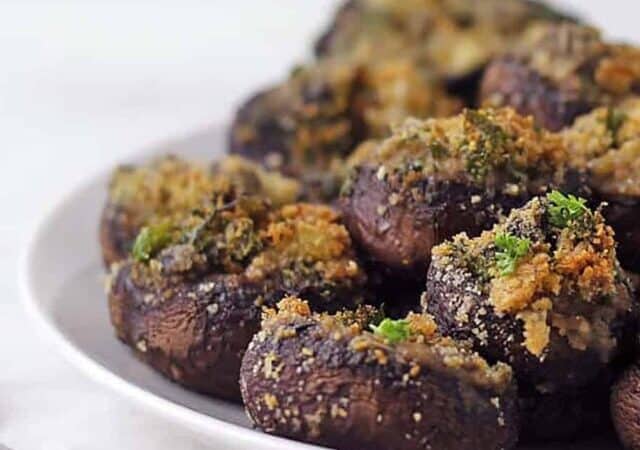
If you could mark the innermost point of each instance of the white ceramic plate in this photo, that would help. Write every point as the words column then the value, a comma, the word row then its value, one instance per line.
column 61, row 278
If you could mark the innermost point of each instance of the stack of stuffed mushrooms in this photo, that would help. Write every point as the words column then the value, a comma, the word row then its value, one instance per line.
column 426, row 238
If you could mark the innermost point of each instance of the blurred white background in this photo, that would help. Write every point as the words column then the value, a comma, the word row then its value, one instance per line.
column 83, row 83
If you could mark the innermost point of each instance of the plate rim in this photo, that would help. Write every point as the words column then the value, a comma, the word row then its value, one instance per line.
column 52, row 336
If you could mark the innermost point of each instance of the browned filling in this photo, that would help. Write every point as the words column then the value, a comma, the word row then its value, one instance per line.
column 422, row 348
column 484, row 147
column 607, row 143
column 170, row 188
column 454, row 37
column 577, row 60
column 243, row 236
column 324, row 109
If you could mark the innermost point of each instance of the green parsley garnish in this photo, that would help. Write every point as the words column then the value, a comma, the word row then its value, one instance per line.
column 565, row 209
column 151, row 240
column 510, row 249
column 393, row 331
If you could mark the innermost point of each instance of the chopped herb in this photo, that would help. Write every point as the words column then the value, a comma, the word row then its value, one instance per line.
column 477, row 165
column 241, row 240
column 150, row 241
column 393, row 331
column 486, row 148
column 510, row 249
column 438, row 150
column 565, row 209
column 614, row 120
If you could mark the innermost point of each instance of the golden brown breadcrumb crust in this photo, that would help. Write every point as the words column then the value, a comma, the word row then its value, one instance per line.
column 606, row 142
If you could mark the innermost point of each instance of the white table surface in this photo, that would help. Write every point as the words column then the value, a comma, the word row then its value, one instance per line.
column 82, row 83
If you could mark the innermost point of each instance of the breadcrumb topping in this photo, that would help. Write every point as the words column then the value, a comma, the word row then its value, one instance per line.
column 307, row 239
column 298, row 243
column 606, row 142
column 167, row 186
column 576, row 56
column 452, row 36
column 482, row 146
column 423, row 348
column 170, row 188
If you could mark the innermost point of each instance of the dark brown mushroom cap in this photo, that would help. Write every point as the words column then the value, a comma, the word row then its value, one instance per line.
column 324, row 380
column 560, row 71
column 117, row 231
column 195, row 334
column 401, row 235
column 170, row 188
column 508, row 82
column 558, row 315
column 432, row 179
column 189, row 309
column 625, row 408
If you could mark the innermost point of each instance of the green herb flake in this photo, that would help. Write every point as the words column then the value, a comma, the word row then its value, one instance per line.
column 438, row 150
column 241, row 240
column 510, row 249
column 150, row 241
column 565, row 209
column 393, row 331
column 614, row 120
column 487, row 148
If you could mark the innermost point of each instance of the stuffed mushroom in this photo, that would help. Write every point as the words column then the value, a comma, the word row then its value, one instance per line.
column 542, row 291
column 189, row 299
column 560, row 71
column 606, row 144
column 169, row 188
column 455, row 38
column 306, row 126
column 350, row 381
column 435, row 178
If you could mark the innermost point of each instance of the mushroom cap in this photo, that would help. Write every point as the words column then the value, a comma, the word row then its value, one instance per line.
column 625, row 408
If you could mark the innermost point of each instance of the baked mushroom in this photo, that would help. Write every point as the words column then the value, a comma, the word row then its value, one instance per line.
column 306, row 126
column 432, row 179
column 560, row 71
column 606, row 144
column 170, row 188
column 542, row 291
column 625, row 408
column 455, row 38
column 189, row 299
column 334, row 381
